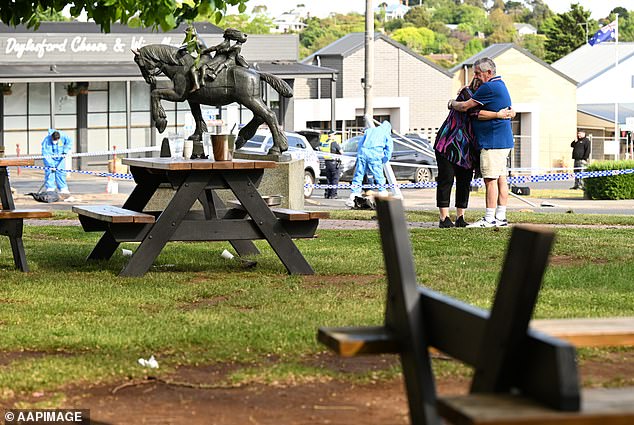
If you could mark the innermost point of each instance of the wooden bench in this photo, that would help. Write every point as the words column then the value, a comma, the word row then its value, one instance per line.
column 521, row 375
column 288, row 214
column 98, row 218
column 12, row 225
column 594, row 332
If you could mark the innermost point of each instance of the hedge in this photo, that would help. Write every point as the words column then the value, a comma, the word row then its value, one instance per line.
column 610, row 187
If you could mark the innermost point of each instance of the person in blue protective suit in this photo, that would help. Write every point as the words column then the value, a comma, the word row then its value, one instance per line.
column 55, row 146
column 375, row 149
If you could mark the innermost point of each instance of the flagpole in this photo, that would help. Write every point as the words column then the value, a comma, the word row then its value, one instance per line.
column 616, row 99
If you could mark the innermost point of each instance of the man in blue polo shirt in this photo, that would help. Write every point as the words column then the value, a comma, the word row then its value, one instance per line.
column 495, row 139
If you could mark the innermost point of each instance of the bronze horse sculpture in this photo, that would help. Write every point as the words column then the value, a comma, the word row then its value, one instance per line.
column 234, row 84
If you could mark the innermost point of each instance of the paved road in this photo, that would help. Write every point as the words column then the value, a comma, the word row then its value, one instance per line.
column 91, row 189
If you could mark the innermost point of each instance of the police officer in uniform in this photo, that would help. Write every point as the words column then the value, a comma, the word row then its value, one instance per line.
column 333, row 164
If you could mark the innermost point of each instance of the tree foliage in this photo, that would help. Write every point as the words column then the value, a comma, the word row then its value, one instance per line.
column 163, row 14
column 420, row 40
column 565, row 33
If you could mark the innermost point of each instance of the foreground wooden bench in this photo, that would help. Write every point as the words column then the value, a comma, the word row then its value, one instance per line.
column 12, row 225
column 522, row 376
column 594, row 332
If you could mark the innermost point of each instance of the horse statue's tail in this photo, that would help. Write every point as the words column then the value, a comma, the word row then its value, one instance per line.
column 277, row 83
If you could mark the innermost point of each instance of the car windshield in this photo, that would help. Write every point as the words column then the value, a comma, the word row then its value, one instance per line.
column 351, row 145
column 255, row 142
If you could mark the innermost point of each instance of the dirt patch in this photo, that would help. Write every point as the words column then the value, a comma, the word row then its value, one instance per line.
column 569, row 260
column 319, row 402
column 203, row 303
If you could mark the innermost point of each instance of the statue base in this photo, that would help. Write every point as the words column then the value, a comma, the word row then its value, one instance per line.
column 285, row 157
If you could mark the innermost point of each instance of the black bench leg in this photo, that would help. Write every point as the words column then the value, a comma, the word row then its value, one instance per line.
column 211, row 204
column 13, row 229
column 166, row 225
column 137, row 200
column 404, row 315
column 104, row 248
column 271, row 228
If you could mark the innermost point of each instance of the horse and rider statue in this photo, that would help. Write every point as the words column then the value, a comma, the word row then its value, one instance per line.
column 202, row 79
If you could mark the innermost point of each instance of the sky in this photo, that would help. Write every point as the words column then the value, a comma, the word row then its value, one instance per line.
column 321, row 8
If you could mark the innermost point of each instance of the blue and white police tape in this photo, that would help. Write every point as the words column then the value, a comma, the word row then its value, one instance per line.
column 480, row 182
column 89, row 154
column 92, row 173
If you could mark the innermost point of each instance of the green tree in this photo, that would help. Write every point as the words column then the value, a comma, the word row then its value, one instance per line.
column 536, row 44
column 255, row 24
column 418, row 16
column 503, row 30
column 473, row 16
column 626, row 27
column 421, row 40
column 538, row 13
column 472, row 47
column 163, row 14
column 564, row 32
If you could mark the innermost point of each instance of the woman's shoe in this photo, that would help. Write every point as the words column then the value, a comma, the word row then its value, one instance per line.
column 460, row 222
column 446, row 223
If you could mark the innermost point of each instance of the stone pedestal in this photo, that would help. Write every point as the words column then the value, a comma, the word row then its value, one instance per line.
column 286, row 180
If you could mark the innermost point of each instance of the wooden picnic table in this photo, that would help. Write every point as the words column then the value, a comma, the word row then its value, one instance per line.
column 12, row 219
column 197, row 180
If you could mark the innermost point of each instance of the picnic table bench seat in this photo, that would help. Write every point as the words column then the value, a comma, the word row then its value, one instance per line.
column 288, row 214
column 112, row 214
column 583, row 332
column 24, row 213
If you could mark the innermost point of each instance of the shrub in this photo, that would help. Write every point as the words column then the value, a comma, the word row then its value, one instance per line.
column 610, row 187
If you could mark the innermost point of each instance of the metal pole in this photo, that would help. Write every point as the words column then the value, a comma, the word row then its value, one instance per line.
column 616, row 100
column 368, row 110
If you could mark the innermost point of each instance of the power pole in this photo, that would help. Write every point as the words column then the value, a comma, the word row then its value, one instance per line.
column 368, row 110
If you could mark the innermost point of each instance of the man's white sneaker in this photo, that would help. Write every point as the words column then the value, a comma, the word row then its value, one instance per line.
column 482, row 223
column 501, row 223
column 350, row 200
column 65, row 191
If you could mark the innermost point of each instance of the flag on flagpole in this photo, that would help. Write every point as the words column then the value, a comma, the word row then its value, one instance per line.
column 605, row 33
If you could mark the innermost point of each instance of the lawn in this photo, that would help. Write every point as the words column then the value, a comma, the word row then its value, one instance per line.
column 75, row 322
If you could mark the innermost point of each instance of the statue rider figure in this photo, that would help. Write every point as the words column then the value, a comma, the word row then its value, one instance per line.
column 193, row 45
column 225, row 55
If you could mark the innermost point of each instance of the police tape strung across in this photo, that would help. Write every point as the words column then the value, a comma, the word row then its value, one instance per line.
column 422, row 185
column 480, row 182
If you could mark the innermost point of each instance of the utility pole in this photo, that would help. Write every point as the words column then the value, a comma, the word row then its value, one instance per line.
column 368, row 110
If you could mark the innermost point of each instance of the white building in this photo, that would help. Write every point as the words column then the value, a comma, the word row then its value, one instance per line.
column 524, row 29
column 113, row 108
column 408, row 89
column 292, row 21
column 605, row 91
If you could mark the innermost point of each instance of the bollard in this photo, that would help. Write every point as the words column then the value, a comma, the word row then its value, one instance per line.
column 112, row 186
column 17, row 153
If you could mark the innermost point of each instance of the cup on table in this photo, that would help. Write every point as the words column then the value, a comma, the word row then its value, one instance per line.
column 188, row 147
column 176, row 143
column 223, row 146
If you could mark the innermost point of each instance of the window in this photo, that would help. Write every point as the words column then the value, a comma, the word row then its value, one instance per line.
column 296, row 142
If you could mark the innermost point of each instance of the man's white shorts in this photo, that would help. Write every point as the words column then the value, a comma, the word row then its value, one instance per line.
column 493, row 162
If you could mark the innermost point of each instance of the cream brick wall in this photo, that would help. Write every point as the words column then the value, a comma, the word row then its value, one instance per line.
column 399, row 74
column 553, row 96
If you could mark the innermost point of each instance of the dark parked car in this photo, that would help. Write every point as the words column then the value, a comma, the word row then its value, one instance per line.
column 423, row 168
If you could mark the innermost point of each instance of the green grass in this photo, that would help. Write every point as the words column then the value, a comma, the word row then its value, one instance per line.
column 72, row 322
column 431, row 216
